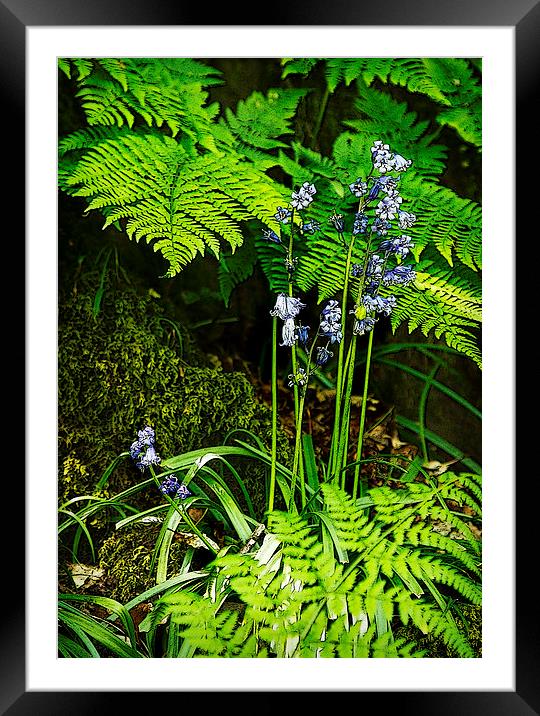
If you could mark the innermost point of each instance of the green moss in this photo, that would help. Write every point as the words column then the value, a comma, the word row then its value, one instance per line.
column 126, row 557
column 128, row 367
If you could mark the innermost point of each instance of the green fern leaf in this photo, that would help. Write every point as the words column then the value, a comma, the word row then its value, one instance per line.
column 297, row 65
column 260, row 120
column 183, row 202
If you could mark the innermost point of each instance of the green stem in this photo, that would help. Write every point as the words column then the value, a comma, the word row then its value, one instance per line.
column 344, row 433
column 294, row 357
column 184, row 513
column 334, row 454
column 322, row 110
column 272, row 487
column 422, row 411
column 296, row 460
column 362, row 417
column 290, row 283
column 298, row 464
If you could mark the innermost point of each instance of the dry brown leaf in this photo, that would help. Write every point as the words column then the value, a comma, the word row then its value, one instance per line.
column 85, row 575
column 193, row 540
column 438, row 468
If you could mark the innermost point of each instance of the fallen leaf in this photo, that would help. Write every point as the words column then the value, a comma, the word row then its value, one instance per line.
column 85, row 575
column 438, row 468
column 193, row 540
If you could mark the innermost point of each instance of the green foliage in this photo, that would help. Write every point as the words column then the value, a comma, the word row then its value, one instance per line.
column 260, row 120
column 449, row 81
column 162, row 92
column 165, row 165
column 170, row 195
column 235, row 268
column 447, row 302
column 124, row 369
column 127, row 558
column 295, row 599
column 448, row 231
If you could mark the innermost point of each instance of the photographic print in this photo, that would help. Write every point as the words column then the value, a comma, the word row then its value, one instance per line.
column 270, row 357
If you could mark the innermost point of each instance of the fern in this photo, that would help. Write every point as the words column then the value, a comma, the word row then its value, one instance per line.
column 118, row 91
column 161, row 164
column 450, row 82
column 235, row 268
column 260, row 120
column 446, row 302
column 296, row 600
column 294, row 65
column 168, row 193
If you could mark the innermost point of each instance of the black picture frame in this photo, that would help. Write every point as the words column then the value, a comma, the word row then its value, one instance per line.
column 15, row 17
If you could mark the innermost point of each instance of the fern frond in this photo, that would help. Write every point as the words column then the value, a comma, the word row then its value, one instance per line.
column 447, row 221
column 260, row 120
column 297, row 65
column 235, row 268
column 384, row 117
column 82, row 65
column 449, row 81
column 115, row 91
column 301, row 602
column 170, row 195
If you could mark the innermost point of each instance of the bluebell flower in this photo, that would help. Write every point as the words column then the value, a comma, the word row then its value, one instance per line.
column 388, row 207
column 399, row 275
column 360, row 223
column 150, row 457
column 399, row 245
column 299, row 378
column 147, row 436
column 270, row 235
column 169, row 486
column 380, row 226
column 379, row 304
column 362, row 322
column 371, row 288
column 381, row 156
column 332, row 311
column 384, row 183
column 400, row 164
column 143, row 450
column 183, row 493
column 358, row 188
column 332, row 331
column 363, row 325
column 302, row 198
column 323, row 355
column 374, row 267
column 310, row 227
column 337, row 221
column 406, row 219
column 135, row 449
column 357, row 270
column 287, row 307
column 302, row 334
column 330, row 325
column 308, row 188
column 282, row 215
column 288, row 332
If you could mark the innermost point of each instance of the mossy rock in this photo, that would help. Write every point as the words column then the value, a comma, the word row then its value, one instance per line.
column 128, row 365
column 126, row 556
